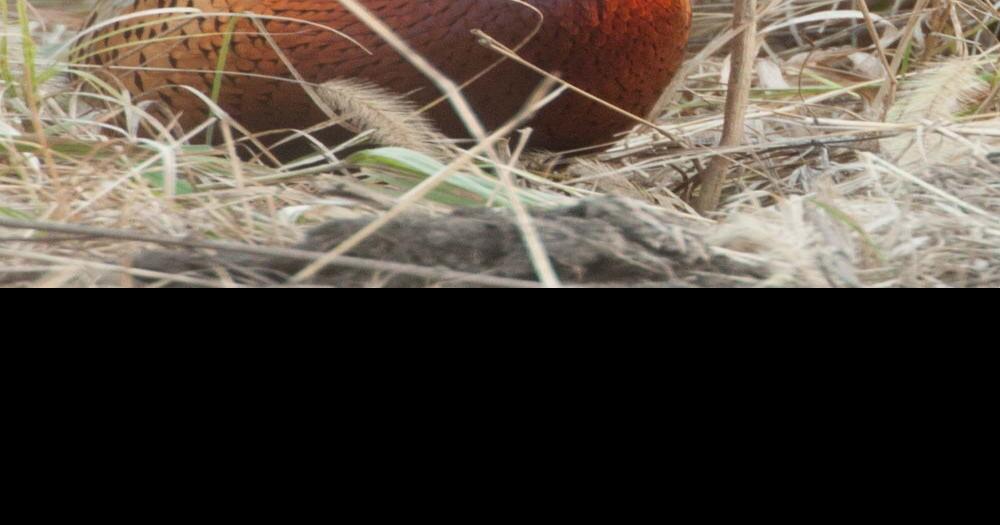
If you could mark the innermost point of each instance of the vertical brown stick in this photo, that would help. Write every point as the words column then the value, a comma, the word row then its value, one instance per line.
column 737, row 97
column 890, row 74
column 887, row 93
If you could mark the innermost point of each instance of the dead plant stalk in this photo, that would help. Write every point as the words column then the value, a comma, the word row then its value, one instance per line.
column 737, row 98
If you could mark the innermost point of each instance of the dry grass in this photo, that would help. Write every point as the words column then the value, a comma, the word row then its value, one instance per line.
column 867, row 162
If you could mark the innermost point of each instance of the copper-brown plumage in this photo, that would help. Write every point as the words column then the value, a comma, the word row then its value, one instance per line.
column 623, row 51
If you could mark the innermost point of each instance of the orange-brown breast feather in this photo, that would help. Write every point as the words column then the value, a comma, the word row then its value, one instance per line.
column 623, row 51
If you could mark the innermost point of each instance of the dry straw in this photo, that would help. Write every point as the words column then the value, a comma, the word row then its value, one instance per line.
column 868, row 156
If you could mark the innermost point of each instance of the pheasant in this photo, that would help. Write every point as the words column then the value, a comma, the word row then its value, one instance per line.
column 624, row 52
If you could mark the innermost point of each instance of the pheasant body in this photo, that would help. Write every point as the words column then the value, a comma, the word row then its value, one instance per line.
column 622, row 51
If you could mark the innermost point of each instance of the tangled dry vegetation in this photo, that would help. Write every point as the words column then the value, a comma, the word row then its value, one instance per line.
column 872, row 158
